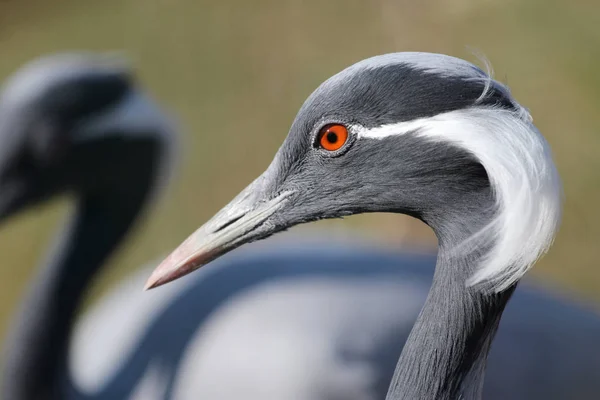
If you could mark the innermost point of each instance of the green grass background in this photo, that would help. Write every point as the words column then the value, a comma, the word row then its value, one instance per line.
column 235, row 73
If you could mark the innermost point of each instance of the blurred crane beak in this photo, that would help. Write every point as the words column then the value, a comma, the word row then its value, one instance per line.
column 244, row 220
column 16, row 196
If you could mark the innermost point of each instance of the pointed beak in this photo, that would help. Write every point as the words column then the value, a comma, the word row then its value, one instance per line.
column 244, row 220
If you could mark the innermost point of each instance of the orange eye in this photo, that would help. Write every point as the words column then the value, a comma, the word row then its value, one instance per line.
column 332, row 137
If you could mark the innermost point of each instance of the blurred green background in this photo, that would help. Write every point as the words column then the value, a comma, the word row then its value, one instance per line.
column 236, row 72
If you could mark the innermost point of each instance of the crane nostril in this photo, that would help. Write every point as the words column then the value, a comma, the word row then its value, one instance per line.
column 228, row 223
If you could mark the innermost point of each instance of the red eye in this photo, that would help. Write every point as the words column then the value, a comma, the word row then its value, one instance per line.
column 333, row 137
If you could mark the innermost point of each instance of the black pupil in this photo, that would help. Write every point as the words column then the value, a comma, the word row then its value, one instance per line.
column 332, row 137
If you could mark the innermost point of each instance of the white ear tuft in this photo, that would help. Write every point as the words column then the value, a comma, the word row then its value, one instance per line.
column 525, row 182
column 522, row 174
column 527, row 187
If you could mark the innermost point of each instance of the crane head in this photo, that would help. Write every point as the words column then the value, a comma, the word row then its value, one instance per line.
column 62, row 116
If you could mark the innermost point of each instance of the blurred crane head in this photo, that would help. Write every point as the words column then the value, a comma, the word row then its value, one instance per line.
column 60, row 115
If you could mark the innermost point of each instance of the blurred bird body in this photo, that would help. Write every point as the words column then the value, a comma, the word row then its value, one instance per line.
column 273, row 320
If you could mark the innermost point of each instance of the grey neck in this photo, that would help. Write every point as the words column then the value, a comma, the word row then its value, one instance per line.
column 445, row 354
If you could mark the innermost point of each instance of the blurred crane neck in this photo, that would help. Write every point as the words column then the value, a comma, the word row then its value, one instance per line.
column 37, row 352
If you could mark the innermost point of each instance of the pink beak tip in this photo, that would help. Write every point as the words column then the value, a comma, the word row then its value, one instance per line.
column 176, row 265
column 164, row 273
column 154, row 281
column 168, row 271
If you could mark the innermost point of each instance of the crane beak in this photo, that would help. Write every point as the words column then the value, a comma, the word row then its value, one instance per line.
column 16, row 196
column 242, row 221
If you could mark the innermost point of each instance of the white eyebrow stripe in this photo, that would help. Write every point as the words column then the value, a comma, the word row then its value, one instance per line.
column 384, row 131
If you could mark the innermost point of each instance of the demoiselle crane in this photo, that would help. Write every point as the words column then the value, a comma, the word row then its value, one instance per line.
column 427, row 135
